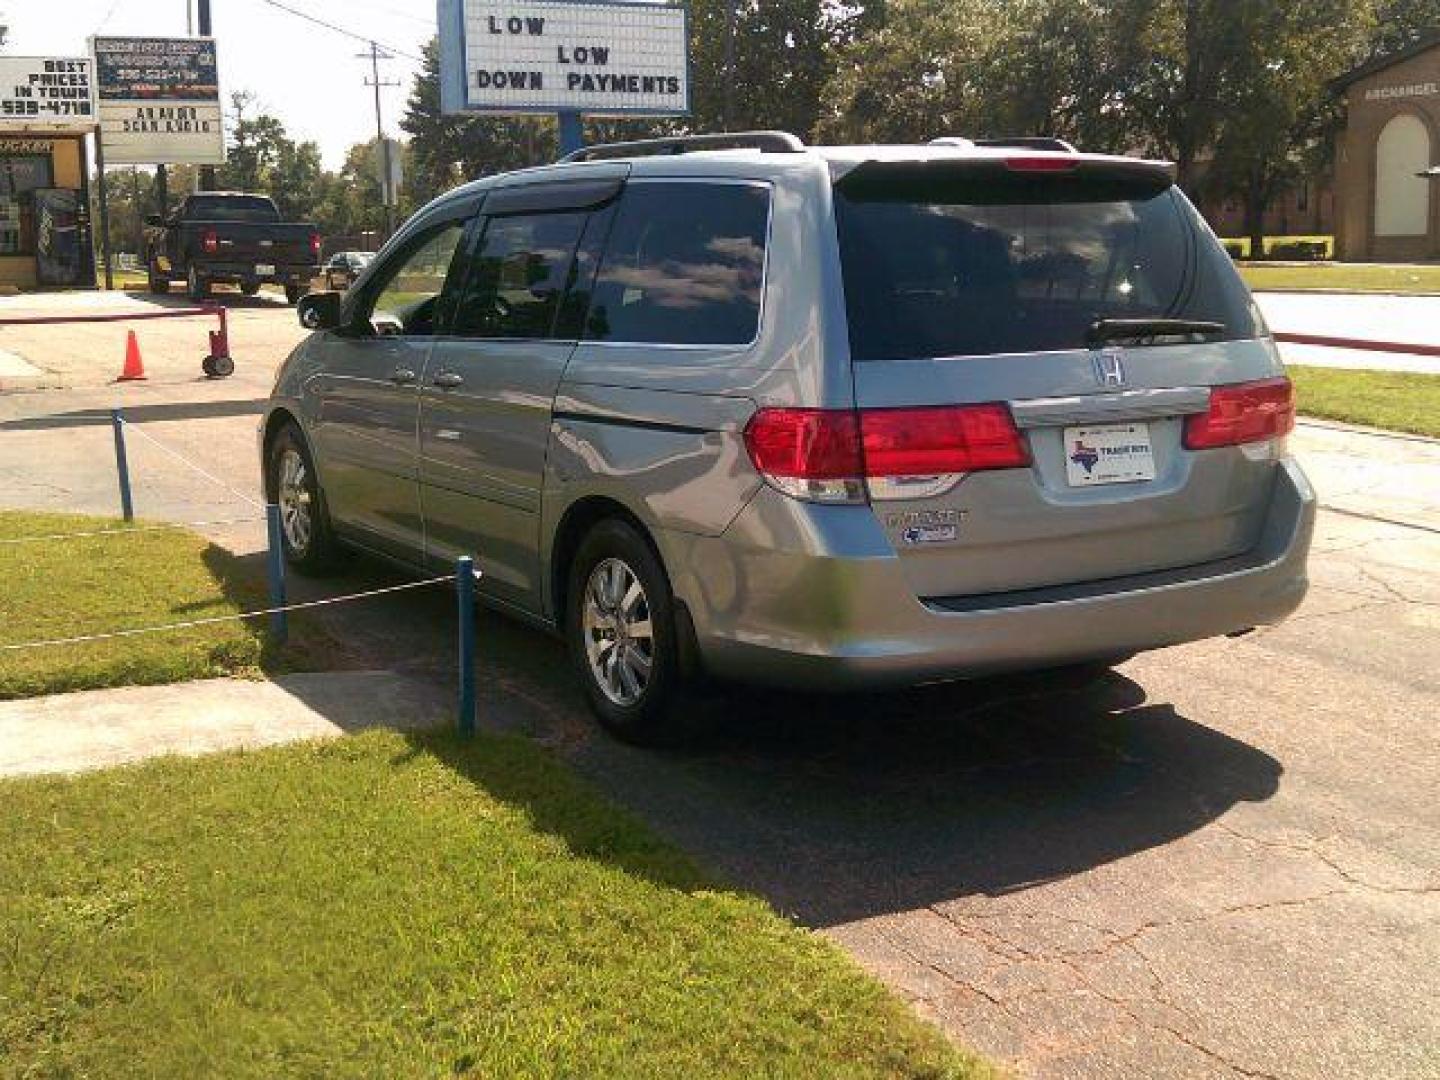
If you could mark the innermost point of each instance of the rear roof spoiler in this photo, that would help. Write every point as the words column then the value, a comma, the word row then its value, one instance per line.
column 1082, row 177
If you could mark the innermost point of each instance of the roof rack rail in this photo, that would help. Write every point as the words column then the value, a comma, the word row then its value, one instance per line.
column 1029, row 142
column 957, row 141
column 770, row 142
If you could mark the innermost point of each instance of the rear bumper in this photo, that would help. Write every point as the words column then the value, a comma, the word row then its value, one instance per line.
column 842, row 616
column 236, row 272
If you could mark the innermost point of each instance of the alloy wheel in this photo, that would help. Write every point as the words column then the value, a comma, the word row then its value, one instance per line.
column 618, row 634
column 293, row 496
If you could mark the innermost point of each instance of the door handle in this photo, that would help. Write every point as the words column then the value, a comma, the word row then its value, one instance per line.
column 402, row 375
column 448, row 380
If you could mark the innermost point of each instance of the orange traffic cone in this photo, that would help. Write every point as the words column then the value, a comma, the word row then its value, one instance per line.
column 134, row 366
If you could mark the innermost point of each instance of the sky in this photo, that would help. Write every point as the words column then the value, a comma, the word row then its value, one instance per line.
column 308, row 76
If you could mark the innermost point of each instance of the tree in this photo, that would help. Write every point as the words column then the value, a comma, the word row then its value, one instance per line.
column 992, row 67
column 263, row 158
column 1399, row 23
column 446, row 149
column 1281, row 117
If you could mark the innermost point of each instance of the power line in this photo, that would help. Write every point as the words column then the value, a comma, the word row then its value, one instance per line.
column 366, row 38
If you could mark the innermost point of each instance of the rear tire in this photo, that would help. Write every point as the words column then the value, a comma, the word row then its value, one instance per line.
column 306, row 536
column 250, row 288
column 197, row 286
column 620, row 630
column 293, row 294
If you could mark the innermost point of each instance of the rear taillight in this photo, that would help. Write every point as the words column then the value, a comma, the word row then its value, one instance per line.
column 1243, row 413
column 315, row 246
column 835, row 455
column 1047, row 164
column 210, row 241
column 809, row 453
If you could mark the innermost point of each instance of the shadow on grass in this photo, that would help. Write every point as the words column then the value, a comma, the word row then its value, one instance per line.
column 833, row 808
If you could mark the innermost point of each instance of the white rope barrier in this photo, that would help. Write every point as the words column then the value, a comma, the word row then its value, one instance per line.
column 191, row 465
column 86, row 638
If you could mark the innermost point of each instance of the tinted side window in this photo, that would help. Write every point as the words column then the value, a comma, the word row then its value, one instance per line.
column 410, row 285
column 518, row 276
column 684, row 265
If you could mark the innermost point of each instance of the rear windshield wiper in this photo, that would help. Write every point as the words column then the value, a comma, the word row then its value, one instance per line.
column 1103, row 330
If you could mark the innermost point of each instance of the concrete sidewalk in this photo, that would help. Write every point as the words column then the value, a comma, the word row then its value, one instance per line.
column 94, row 729
column 1379, row 474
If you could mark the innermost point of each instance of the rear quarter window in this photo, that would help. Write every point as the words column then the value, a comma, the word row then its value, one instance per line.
column 684, row 265
column 985, row 268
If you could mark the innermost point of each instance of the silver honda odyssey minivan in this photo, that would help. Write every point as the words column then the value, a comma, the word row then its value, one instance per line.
column 817, row 417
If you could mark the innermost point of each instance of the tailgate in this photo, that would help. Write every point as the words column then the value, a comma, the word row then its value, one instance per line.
column 996, row 293
column 288, row 245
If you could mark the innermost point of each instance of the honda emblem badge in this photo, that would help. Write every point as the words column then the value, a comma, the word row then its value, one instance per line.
column 1109, row 368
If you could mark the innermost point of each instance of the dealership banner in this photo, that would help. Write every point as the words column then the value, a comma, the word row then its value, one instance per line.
column 600, row 58
column 52, row 93
column 159, row 101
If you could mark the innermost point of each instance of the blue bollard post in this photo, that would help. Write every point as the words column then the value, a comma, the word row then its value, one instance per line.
column 572, row 132
column 465, row 598
column 122, row 464
column 275, row 564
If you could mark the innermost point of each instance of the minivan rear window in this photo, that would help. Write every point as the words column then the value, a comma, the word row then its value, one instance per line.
column 991, row 265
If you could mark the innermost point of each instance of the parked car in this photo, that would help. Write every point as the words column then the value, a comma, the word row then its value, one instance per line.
column 230, row 238
column 344, row 267
column 823, row 417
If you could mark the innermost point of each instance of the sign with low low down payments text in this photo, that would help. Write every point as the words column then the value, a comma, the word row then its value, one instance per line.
column 599, row 58
column 159, row 101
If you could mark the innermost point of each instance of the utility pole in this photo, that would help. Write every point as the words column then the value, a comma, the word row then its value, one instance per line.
column 207, row 172
column 387, row 170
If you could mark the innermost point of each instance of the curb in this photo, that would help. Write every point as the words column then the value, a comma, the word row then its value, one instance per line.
column 1362, row 344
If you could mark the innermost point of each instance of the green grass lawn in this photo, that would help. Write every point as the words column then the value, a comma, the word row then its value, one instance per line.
column 402, row 906
column 1382, row 399
column 1380, row 279
column 77, row 587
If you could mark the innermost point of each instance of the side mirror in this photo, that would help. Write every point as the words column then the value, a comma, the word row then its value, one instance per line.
column 154, row 221
column 319, row 311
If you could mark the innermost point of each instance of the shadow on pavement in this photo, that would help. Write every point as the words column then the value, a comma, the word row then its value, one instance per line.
column 141, row 414
column 232, row 299
column 838, row 808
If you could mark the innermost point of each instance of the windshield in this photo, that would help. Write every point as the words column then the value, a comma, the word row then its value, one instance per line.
column 982, row 267
column 230, row 208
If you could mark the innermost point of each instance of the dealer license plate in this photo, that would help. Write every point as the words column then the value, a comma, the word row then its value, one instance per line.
column 264, row 270
column 1108, row 454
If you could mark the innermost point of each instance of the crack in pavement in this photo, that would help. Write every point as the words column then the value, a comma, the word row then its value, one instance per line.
column 1312, row 849
column 998, row 945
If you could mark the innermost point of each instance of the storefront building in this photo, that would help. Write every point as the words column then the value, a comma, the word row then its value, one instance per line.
column 1387, row 210
column 45, row 236
column 47, row 111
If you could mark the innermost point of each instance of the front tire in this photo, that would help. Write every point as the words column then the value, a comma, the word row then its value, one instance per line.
column 305, row 533
column 249, row 288
column 620, row 629
column 293, row 294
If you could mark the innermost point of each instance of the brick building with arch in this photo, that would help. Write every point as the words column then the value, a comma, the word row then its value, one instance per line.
column 1387, row 208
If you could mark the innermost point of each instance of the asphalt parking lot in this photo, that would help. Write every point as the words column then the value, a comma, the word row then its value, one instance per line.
column 1222, row 859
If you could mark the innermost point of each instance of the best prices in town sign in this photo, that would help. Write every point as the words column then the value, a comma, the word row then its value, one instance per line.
column 49, row 93
column 603, row 59
column 159, row 101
